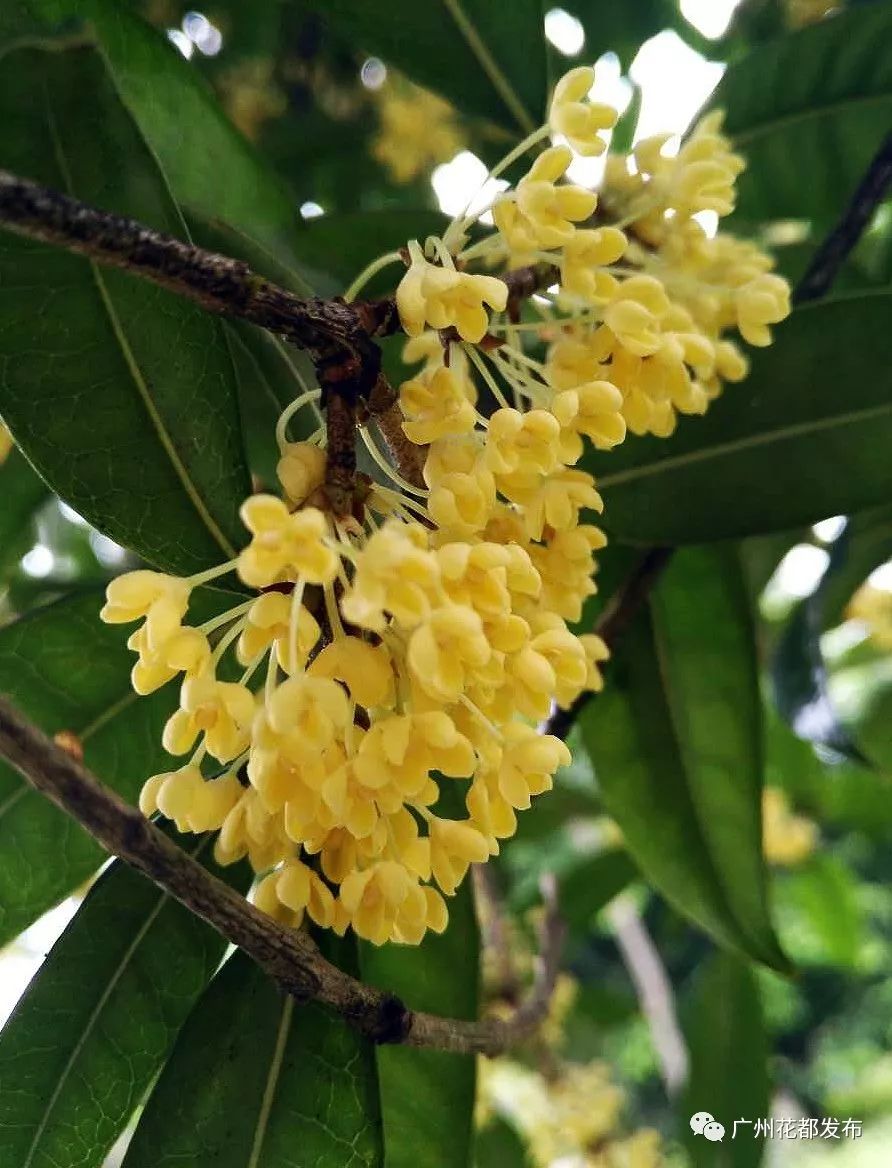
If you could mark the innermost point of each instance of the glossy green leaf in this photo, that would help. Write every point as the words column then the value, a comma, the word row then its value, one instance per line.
column 97, row 1021
column 121, row 394
column 66, row 670
column 23, row 492
column 489, row 62
column 427, row 1096
column 748, row 466
column 808, row 111
column 258, row 1081
column 270, row 374
column 728, row 1049
column 210, row 166
column 676, row 743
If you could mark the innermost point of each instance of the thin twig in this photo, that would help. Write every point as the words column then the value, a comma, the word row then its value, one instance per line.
column 289, row 956
column 833, row 252
column 654, row 990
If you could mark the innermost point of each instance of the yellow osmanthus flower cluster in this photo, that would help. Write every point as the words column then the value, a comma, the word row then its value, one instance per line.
column 572, row 1117
column 363, row 726
column 417, row 130
column 787, row 839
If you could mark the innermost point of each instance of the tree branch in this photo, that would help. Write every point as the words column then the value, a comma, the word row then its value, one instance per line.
column 288, row 955
column 833, row 252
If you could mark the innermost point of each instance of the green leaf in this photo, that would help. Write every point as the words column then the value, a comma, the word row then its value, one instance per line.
column 427, row 1096
column 728, row 1050
column 586, row 883
column 209, row 165
column 258, row 1081
column 344, row 244
column 820, row 917
column 620, row 28
column 748, row 466
column 676, row 742
column 121, row 394
column 65, row 670
column 23, row 492
column 487, row 62
column 95, row 1025
column 808, row 111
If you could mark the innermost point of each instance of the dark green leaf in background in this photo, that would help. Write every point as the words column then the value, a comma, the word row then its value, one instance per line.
column 820, row 918
column 728, row 1050
column 676, row 743
column 65, row 670
column 120, row 393
column 487, row 59
column 97, row 1021
column 22, row 492
column 212, row 170
column 809, row 111
column 258, row 1081
column 805, row 436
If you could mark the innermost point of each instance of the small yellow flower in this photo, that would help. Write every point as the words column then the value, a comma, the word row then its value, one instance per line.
column 635, row 314
column 787, row 839
column 162, row 600
column 268, row 625
column 397, row 574
column 448, row 647
column 438, row 405
column 193, row 802
column 580, row 121
column 286, row 546
column 584, row 260
column 541, row 213
column 185, row 651
column 446, row 298
column 366, row 670
column 522, row 442
column 417, row 130
column 221, row 710
column 301, row 470
column 763, row 301
column 454, row 847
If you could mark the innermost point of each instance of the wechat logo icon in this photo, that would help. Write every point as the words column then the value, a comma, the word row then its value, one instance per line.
column 704, row 1124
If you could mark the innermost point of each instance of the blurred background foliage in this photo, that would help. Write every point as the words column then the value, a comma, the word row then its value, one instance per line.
column 326, row 95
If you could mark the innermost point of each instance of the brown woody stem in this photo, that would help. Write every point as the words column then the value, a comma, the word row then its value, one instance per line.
column 289, row 956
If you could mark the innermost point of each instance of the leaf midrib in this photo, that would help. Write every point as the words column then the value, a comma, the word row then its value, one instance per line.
column 761, row 129
column 490, row 66
column 662, row 658
column 130, row 361
column 752, row 441
column 272, row 1082
column 90, row 1024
